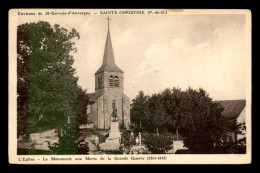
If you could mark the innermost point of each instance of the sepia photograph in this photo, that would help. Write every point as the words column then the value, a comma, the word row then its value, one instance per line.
column 106, row 86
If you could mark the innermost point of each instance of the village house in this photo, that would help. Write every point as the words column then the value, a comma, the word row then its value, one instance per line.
column 234, row 110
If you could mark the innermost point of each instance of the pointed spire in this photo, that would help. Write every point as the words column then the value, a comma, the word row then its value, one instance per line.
column 108, row 59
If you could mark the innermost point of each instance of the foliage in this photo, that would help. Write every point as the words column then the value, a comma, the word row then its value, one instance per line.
column 237, row 149
column 204, row 124
column 191, row 111
column 126, row 141
column 157, row 144
column 69, row 144
column 47, row 87
column 157, row 116
column 25, row 151
column 112, row 152
column 82, row 147
column 232, row 126
column 22, row 78
column 182, row 151
column 139, row 109
column 83, row 102
column 233, row 149
column 174, row 102
column 125, row 137
column 147, row 112
column 242, row 141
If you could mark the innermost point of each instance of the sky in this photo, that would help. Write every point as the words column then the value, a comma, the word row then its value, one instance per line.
column 165, row 51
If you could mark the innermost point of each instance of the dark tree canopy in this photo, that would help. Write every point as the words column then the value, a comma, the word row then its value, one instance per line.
column 47, row 86
column 157, row 115
column 191, row 111
column 204, row 125
column 22, row 77
column 174, row 103
column 139, row 109
column 83, row 102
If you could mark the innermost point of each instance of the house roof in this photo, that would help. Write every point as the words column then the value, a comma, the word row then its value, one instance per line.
column 232, row 108
column 108, row 59
column 91, row 97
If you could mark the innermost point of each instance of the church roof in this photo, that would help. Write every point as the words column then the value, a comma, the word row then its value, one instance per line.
column 232, row 108
column 91, row 97
column 108, row 59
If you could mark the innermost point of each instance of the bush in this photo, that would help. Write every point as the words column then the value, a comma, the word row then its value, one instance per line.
column 157, row 144
column 182, row 151
column 237, row 149
column 69, row 144
column 112, row 152
column 82, row 147
column 126, row 142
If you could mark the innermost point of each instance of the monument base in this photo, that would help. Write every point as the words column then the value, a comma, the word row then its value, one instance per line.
column 113, row 141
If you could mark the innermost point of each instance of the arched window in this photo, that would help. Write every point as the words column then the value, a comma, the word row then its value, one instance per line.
column 116, row 81
column 111, row 81
column 98, row 83
column 101, row 82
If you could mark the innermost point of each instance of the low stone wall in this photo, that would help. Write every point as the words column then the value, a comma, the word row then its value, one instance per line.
column 41, row 141
column 86, row 126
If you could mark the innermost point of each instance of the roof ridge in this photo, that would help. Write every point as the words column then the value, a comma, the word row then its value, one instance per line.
column 230, row 100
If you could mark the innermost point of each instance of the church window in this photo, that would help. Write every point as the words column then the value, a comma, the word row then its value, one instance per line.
column 101, row 82
column 111, row 81
column 98, row 84
column 116, row 81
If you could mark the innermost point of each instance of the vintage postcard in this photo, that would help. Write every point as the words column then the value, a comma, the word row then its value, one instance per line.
column 129, row 86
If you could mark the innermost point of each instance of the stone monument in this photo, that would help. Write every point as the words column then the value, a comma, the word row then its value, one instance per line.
column 113, row 141
column 138, row 148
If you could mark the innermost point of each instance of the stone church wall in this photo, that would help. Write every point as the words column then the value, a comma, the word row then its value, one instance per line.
column 104, row 109
column 100, row 113
column 93, row 115
column 126, row 104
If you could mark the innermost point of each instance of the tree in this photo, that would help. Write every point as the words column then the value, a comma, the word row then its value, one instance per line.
column 68, row 145
column 204, row 124
column 157, row 144
column 47, row 87
column 237, row 128
column 139, row 109
column 174, row 101
column 83, row 102
column 156, row 114
column 22, row 77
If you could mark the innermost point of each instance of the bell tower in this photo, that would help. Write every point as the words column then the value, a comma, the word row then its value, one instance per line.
column 109, row 103
column 109, row 76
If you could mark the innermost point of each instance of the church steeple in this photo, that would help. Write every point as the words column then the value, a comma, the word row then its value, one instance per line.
column 108, row 58
column 109, row 98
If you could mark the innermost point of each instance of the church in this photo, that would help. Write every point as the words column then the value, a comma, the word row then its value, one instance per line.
column 109, row 99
